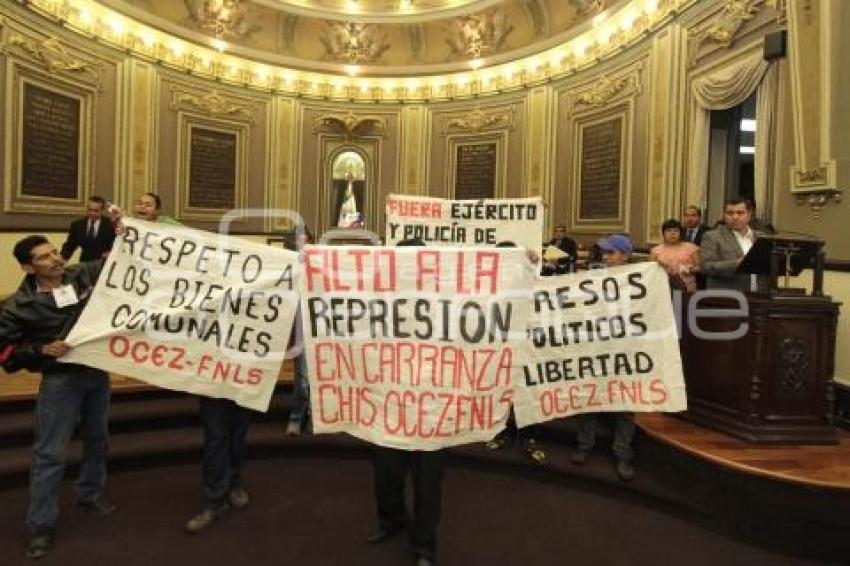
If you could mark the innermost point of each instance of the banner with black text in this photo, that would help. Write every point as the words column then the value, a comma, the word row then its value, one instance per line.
column 601, row 340
column 192, row 311
column 414, row 347
column 480, row 223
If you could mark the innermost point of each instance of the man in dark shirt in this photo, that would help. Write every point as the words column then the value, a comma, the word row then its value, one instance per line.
column 93, row 233
column 566, row 264
column 33, row 325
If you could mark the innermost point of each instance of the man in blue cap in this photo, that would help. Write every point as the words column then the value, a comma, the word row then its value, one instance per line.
column 616, row 250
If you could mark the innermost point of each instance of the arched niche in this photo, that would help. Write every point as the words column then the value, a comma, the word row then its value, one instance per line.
column 348, row 171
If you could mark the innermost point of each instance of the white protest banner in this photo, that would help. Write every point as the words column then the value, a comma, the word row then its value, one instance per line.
column 480, row 223
column 413, row 347
column 602, row 340
column 192, row 311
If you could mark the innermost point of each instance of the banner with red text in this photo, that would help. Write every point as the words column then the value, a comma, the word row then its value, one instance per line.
column 192, row 311
column 480, row 223
column 601, row 340
column 414, row 347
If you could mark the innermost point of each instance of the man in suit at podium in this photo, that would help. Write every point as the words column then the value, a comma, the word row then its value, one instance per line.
column 724, row 247
column 694, row 227
column 93, row 233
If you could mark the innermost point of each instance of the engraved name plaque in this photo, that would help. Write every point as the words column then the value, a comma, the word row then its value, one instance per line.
column 475, row 171
column 50, row 145
column 600, row 170
column 212, row 169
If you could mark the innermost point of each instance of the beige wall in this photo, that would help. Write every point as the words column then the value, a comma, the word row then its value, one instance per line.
column 139, row 111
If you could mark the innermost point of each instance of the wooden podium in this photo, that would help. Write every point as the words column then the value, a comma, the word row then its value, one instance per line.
column 773, row 384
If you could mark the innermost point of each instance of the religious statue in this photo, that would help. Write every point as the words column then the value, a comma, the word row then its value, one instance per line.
column 348, row 215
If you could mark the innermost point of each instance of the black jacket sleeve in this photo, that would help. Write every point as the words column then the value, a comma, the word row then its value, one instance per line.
column 72, row 242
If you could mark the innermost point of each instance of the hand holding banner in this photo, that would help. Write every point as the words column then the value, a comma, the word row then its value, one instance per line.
column 192, row 311
column 601, row 340
column 413, row 348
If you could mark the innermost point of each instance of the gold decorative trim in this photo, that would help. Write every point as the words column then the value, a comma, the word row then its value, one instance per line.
column 478, row 121
column 781, row 9
column 818, row 199
column 731, row 18
column 812, row 177
column 607, row 89
column 55, row 57
column 604, row 91
column 213, row 104
column 350, row 125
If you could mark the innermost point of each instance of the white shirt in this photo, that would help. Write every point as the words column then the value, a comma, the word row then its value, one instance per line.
column 746, row 242
column 92, row 227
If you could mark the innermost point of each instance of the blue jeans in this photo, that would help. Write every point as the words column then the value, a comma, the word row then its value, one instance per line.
column 225, row 427
column 65, row 399
column 300, row 411
column 624, row 433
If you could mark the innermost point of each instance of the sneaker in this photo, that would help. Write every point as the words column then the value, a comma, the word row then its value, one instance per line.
column 293, row 428
column 625, row 470
column 205, row 518
column 239, row 498
column 579, row 457
column 100, row 507
column 38, row 545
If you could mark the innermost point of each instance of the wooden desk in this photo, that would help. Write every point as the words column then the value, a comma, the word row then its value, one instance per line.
column 774, row 383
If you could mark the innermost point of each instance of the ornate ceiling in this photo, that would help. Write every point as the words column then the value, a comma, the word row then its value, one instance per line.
column 377, row 37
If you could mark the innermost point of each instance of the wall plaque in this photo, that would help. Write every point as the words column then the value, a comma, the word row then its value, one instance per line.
column 212, row 169
column 475, row 171
column 50, row 147
column 601, row 153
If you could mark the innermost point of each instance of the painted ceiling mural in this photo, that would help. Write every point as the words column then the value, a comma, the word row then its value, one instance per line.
column 376, row 33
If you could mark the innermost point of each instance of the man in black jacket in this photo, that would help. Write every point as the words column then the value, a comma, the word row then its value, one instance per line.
column 33, row 325
column 93, row 233
column 565, row 264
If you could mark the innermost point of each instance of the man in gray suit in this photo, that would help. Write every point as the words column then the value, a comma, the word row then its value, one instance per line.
column 724, row 247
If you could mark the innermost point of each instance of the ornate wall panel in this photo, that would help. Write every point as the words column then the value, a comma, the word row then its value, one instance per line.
column 188, row 105
column 374, row 134
column 58, row 114
column 607, row 109
column 466, row 125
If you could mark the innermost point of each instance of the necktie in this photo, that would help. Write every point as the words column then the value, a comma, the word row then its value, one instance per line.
column 690, row 234
column 91, row 229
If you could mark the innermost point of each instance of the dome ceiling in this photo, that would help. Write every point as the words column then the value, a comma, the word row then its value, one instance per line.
column 380, row 10
column 401, row 37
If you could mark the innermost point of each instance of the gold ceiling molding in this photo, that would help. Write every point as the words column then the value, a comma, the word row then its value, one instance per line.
column 350, row 125
column 213, row 104
column 154, row 38
column 353, row 42
column 55, row 57
column 477, row 121
column 480, row 34
column 585, row 7
column 608, row 89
